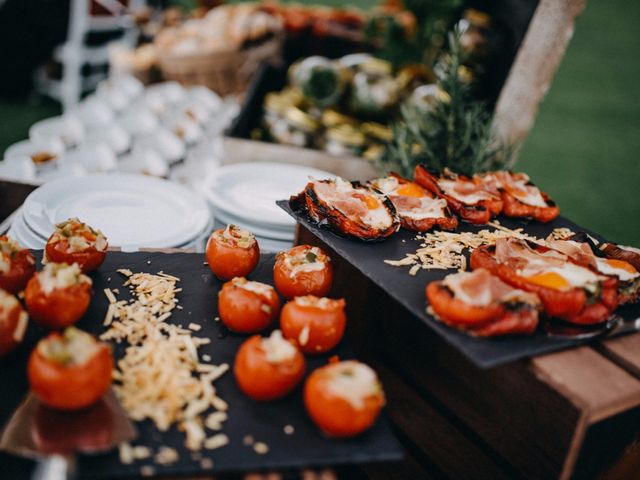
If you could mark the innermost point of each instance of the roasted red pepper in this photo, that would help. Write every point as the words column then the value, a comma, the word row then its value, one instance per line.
column 571, row 305
column 478, row 213
column 512, row 207
column 502, row 315
column 446, row 222
column 346, row 215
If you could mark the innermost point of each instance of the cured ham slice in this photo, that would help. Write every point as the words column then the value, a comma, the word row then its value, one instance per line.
column 483, row 305
column 520, row 197
column 467, row 197
column 567, row 290
column 418, row 209
column 348, row 208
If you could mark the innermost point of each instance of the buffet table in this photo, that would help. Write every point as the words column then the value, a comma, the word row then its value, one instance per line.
column 568, row 414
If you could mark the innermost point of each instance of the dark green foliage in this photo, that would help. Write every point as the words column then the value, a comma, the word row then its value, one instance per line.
column 400, row 47
column 456, row 133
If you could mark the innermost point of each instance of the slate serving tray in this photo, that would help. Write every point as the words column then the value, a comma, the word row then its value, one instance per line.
column 263, row 421
column 368, row 258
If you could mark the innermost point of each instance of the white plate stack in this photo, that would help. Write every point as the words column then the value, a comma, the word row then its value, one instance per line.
column 133, row 211
column 245, row 194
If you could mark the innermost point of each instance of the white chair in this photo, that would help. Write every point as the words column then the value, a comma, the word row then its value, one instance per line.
column 74, row 53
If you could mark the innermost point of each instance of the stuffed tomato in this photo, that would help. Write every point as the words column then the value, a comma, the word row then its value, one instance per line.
column 58, row 296
column 303, row 270
column 76, row 242
column 268, row 368
column 247, row 307
column 17, row 265
column 316, row 324
column 232, row 252
column 13, row 323
column 344, row 399
column 70, row 370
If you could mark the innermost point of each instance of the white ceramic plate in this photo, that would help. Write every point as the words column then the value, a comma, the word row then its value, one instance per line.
column 23, row 235
column 133, row 211
column 249, row 190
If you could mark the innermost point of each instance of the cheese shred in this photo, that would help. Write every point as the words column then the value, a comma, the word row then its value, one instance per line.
column 160, row 376
column 440, row 250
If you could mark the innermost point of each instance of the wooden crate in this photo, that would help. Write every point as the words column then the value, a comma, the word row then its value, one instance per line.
column 571, row 414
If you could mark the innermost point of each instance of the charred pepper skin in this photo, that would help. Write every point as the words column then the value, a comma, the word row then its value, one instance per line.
column 479, row 213
column 325, row 215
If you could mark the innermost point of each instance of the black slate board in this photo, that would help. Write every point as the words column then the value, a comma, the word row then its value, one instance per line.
column 263, row 421
column 368, row 258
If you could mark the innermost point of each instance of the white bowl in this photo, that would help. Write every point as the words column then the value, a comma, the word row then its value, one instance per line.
column 93, row 157
column 194, row 110
column 206, row 97
column 19, row 169
column 116, row 137
column 128, row 85
column 65, row 128
column 164, row 142
column 172, row 92
column 144, row 161
column 184, row 127
column 115, row 99
column 30, row 149
column 208, row 151
column 61, row 171
column 152, row 101
column 138, row 120
column 93, row 112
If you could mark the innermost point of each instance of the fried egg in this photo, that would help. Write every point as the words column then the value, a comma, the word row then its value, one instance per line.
column 410, row 199
column 624, row 271
column 357, row 203
column 565, row 277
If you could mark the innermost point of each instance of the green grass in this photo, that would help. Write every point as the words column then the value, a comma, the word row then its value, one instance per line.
column 16, row 116
column 584, row 148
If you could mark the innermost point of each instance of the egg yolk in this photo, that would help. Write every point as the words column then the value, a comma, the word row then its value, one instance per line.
column 411, row 190
column 371, row 202
column 621, row 265
column 550, row 280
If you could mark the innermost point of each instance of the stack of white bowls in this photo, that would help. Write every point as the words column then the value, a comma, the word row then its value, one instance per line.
column 245, row 194
column 125, row 127
column 133, row 211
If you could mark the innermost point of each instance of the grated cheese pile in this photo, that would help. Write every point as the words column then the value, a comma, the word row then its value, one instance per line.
column 444, row 250
column 160, row 376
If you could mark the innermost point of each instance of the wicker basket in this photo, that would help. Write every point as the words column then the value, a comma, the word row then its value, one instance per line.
column 224, row 72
